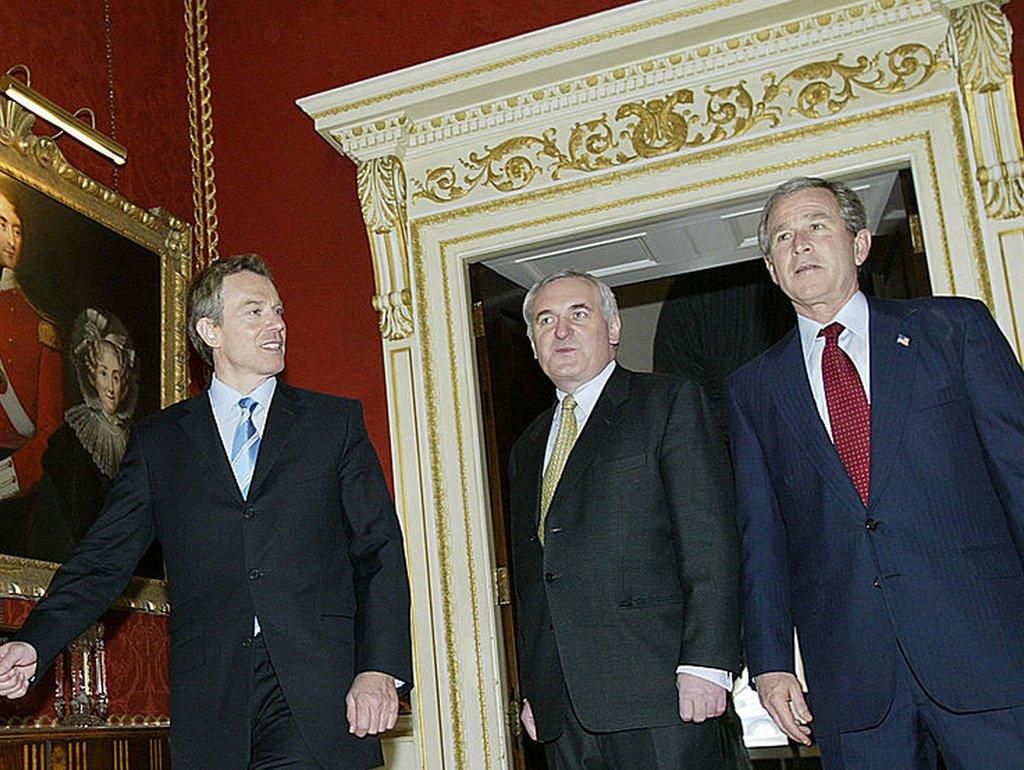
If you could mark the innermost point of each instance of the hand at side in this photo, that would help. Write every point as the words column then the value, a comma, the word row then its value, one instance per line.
column 371, row 703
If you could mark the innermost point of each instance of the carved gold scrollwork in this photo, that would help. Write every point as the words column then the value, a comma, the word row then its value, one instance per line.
column 983, row 41
column 382, row 197
column 831, row 84
column 656, row 127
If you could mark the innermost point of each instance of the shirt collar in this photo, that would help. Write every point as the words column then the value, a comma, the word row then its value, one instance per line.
column 7, row 279
column 853, row 316
column 586, row 395
column 224, row 398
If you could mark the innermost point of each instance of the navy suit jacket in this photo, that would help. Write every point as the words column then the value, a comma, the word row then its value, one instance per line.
column 932, row 567
column 315, row 552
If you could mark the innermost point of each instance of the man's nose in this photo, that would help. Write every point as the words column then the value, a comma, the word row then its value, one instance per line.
column 801, row 242
column 562, row 329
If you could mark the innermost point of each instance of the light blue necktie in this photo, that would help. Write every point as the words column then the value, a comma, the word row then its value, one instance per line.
column 246, row 446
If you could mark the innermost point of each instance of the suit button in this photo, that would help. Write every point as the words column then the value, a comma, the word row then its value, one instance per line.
column 247, row 642
column 550, row 577
column 249, row 511
column 877, row 583
column 254, row 574
column 554, row 530
column 551, row 626
column 871, row 524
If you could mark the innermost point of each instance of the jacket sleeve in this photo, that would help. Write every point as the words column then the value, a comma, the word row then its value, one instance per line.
column 764, row 566
column 100, row 566
column 695, row 471
column 377, row 556
column 995, row 386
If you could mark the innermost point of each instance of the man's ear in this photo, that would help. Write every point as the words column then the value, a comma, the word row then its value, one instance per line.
column 771, row 270
column 208, row 331
column 615, row 331
column 861, row 246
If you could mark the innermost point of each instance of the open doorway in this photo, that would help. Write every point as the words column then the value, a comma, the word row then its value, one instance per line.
column 695, row 301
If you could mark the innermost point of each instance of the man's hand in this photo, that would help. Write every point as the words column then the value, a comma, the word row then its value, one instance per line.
column 526, row 715
column 783, row 699
column 17, row 667
column 699, row 699
column 371, row 704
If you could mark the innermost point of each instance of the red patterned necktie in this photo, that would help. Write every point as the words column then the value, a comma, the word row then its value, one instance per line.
column 849, row 412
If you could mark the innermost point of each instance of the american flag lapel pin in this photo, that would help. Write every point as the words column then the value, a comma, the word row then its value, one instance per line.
column 903, row 340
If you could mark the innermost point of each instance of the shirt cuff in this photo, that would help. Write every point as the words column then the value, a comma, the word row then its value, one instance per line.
column 714, row 675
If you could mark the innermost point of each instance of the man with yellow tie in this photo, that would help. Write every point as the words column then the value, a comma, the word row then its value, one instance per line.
column 625, row 555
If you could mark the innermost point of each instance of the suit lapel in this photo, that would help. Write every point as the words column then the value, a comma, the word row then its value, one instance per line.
column 533, row 463
column 197, row 421
column 892, row 374
column 285, row 409
column 792, row 393
column 616, row 390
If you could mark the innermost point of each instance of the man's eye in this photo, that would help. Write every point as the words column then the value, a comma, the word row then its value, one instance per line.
column 781, row 237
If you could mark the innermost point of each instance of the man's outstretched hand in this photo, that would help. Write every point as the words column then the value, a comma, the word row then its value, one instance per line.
column 17, row 667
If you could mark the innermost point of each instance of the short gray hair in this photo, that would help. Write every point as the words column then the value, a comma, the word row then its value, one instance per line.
column 850, row 206
column 609, row 305
column 204, row 294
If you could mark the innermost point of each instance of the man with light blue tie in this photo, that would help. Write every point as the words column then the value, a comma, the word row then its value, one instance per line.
column 879, row 459
column 284, row 555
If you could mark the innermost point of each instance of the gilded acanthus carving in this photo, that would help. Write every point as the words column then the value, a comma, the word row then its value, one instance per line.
column 983, row 41
column 382, row 193
column 982, row 38
column 383, row 199
column 682, row 120
column 395, row 310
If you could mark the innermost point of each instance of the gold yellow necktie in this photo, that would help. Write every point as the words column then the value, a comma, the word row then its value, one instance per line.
column 563, row 446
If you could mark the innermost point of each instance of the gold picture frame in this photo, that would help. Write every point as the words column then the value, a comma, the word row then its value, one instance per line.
column 95, row 250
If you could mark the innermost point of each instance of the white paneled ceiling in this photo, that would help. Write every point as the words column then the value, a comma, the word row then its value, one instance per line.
column 692, row 240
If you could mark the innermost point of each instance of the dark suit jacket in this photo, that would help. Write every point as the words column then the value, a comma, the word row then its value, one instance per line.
column 638, row 573
column 934, row 563
column 315, row 552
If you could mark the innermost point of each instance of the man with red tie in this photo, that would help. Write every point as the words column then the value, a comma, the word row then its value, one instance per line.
column 879, row 459
column 30, row 369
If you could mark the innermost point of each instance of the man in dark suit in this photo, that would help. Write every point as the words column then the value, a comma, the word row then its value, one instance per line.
column 284, row 555
column 625, row 557
column 879, row 454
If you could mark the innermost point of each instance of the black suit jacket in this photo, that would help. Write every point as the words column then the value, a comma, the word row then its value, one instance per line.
column 315, row 552
column 638, row 573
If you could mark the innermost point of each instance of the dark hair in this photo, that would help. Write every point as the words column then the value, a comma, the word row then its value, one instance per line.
column 204, row 294
column 850, row 206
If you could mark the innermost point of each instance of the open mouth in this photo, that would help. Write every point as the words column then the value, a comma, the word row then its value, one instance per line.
column 806, row 268
column 275, row 346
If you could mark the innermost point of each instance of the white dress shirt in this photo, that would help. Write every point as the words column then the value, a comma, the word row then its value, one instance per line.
column 586, row 396
column 228, row 415
column 854, row 341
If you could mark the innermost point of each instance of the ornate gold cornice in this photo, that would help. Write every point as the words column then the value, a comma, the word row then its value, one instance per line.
column 696, row 62
column 683, row 120
column 383, row 196
column 200, row 119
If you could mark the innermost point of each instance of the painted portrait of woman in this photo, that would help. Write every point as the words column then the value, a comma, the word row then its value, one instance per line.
column 83, row 455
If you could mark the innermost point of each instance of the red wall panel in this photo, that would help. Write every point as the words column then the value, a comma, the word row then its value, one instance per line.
column 283, row 192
